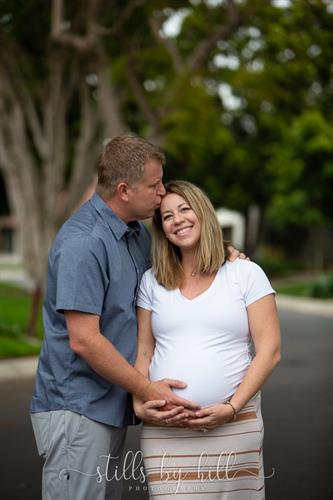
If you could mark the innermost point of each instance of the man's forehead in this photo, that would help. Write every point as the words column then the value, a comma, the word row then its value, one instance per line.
column 153, row 168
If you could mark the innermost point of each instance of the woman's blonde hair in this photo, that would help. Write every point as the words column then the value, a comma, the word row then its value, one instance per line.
column 167, row 265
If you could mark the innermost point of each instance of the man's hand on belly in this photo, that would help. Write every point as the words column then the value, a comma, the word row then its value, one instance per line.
column 162, row 390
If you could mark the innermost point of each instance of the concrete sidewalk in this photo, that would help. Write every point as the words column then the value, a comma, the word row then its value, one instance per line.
column 18, row 368
column 319, row 307
column 26, row 367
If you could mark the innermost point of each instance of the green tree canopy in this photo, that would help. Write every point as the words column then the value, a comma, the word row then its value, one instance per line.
column 222, row 85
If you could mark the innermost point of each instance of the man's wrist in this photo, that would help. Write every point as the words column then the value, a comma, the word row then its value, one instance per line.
column 146, row 389
column 142, row 389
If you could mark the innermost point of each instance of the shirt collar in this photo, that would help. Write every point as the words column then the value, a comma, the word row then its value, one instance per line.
column 117, row 226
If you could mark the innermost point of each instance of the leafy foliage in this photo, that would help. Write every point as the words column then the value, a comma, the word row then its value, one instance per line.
column 303, row 170
column 268, row 142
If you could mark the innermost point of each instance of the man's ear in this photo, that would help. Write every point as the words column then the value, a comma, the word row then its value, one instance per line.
column 122, row 191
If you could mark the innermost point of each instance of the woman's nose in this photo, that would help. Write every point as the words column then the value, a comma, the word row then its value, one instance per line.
column 178, row 217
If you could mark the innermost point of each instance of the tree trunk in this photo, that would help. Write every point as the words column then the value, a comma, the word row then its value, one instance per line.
column 36, row 297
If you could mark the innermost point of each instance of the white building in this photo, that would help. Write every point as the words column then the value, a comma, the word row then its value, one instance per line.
column 233, row 226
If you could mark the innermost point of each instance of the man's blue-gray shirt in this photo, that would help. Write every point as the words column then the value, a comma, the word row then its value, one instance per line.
column 95, row 266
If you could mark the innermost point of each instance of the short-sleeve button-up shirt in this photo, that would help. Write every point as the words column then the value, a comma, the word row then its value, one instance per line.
column 95, row 266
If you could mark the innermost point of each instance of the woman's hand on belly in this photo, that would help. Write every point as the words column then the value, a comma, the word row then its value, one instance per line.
column 152, row 412
column 211, row 417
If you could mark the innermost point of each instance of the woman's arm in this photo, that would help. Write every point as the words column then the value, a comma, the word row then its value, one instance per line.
column 265, row 332
column 149, row 411
column 146, row 342
column 145, row 350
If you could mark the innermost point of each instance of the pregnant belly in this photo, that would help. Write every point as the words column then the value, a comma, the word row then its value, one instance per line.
column 209, row 378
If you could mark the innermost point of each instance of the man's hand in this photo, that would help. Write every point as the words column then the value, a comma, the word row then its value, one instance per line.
column 162, row 390
column 234, row 254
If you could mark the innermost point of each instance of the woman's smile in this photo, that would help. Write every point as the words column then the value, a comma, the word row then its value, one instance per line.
column 180, row 223
column 183, row 230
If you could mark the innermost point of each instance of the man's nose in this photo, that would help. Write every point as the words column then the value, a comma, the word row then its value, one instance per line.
column 161, row 190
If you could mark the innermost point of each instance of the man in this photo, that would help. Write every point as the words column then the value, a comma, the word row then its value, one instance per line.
column 81, row 403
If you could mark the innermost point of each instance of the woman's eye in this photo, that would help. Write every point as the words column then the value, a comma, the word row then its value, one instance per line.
column 185, row 209
column 166, row 217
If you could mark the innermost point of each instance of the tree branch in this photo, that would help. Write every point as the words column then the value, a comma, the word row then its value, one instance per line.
column 21, row 174
column 15, row 81
column 56, row 17
column 223, row 32
column 85, row 150
column 107, row 100
column 5, row 160
column 91, row 42
column 172, row 49
column 81, row 43
column 60, row 88
column 139, row 94
column 124, row 14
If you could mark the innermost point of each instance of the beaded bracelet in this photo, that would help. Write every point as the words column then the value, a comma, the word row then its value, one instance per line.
column 233, row 409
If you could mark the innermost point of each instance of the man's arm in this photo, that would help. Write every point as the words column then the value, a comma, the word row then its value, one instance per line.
column 88, row 343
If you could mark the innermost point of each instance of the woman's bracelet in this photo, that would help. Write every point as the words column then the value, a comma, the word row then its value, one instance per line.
column 233, row 409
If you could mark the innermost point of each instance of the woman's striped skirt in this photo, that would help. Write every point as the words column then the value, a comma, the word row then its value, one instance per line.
column 225, row 463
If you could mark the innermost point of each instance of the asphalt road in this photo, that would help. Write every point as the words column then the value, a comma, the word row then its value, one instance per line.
column 297, row 410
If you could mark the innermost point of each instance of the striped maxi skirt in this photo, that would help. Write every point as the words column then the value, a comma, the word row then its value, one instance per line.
column 225, row 463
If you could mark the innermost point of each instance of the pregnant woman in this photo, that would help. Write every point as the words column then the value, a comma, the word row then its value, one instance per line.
column 198, row 315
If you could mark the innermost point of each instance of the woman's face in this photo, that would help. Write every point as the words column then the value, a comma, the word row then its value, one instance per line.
column 180, row 224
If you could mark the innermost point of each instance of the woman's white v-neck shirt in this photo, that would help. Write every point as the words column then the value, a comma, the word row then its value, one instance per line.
column 204, row 341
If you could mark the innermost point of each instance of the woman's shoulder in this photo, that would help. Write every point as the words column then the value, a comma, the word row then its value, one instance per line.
column 148, row 277
column 251, row 279
column 243, row 267
column 146, row 289
column 240, row 264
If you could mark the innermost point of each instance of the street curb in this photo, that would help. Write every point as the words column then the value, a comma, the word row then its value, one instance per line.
column 18, row 368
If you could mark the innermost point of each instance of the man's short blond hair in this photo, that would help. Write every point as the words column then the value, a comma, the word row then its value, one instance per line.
column 123, row 159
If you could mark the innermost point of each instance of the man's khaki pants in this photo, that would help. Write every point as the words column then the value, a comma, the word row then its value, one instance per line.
column 82, row 456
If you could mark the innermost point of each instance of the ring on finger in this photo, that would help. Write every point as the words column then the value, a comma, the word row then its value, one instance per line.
column 166, row 421
column 204, row 429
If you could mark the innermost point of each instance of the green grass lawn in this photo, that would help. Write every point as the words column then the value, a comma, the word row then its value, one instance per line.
column 10, row 266
column 299, row 289
column 321, row 288
column 15, row 348
column 14, row 314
